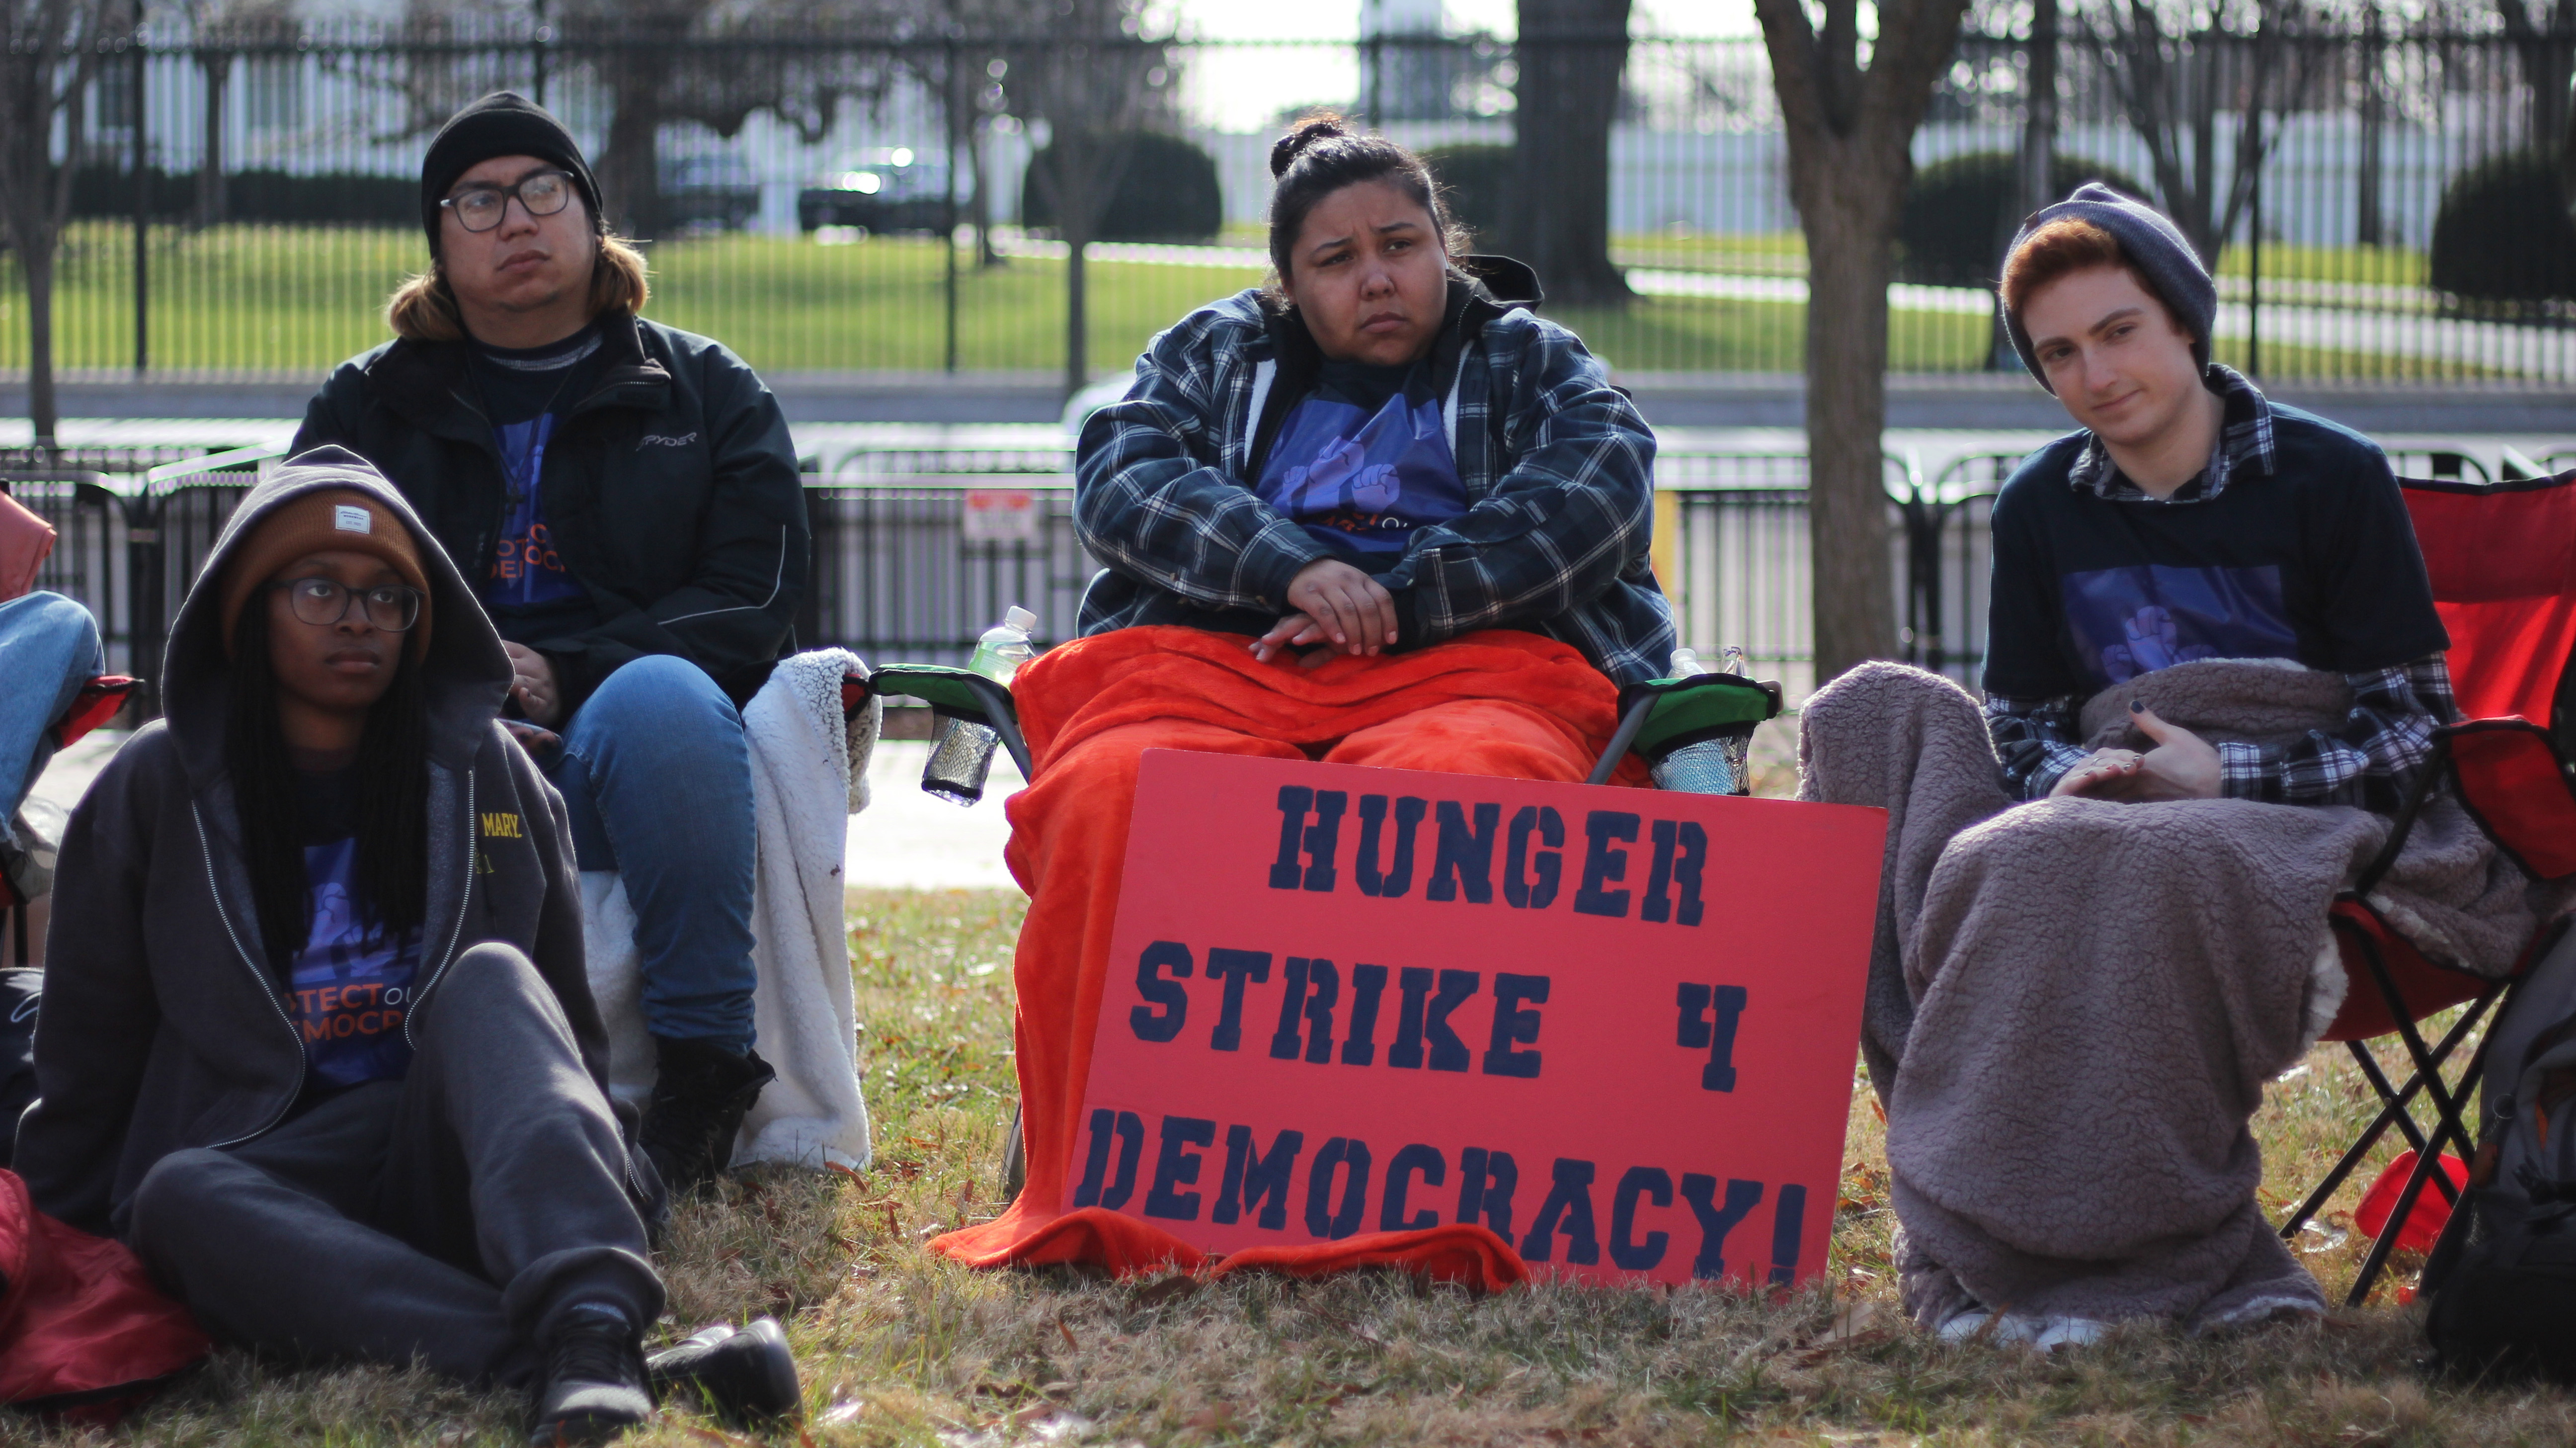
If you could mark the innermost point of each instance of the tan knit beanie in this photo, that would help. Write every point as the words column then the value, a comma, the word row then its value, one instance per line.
column 332, row 520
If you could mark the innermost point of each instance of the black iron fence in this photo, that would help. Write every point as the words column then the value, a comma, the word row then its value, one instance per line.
column 2379, row 205
column 917, row 550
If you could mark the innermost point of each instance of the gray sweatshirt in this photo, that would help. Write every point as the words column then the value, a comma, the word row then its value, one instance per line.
column 165, row 1023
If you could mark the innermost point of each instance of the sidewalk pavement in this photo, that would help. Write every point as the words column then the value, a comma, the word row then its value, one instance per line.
column 905, row 840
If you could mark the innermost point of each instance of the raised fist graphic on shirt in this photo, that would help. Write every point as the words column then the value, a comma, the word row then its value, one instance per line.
column 2153, row 643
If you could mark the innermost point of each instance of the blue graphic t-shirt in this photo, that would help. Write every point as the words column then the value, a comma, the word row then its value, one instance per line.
column 1363, row 462
column 526, row 571
column 2136, row 620
column 2310, row 558
column 526, row 394
column 350, row 988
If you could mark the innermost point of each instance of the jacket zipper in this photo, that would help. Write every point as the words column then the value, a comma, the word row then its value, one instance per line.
column 501, row 512
column 464, row 898
column 267, row 989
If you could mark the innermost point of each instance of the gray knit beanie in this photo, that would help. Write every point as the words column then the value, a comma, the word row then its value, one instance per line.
column 2153, row 245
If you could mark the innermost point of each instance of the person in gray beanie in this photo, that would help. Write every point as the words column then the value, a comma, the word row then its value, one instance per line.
column 2188, row 518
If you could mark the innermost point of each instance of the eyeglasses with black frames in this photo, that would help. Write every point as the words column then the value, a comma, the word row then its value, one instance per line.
column 480, row 207
column 322, row 603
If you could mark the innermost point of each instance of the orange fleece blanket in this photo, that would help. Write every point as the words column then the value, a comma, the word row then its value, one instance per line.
column 1498, row 703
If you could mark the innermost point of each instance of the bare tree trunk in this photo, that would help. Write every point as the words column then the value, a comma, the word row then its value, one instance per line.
column 2366, row 222
column 38, row 264
column 1077, row 311
column 2547, row 50
column 2039, row 122
column 1850, row 131
column 41, row 82
column 630, row 165
column 1570, row 56
column 2038, row 163
column 982, row 206
column 218, row 66
column 1849, row 214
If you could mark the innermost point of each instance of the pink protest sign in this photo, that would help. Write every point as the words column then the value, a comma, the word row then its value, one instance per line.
column 1616, row 1026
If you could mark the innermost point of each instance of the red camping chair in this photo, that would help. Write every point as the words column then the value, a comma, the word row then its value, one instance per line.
column 2503, row 564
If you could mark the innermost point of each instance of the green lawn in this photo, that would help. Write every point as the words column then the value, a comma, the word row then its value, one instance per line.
column 299, row 299
column 900, row 1348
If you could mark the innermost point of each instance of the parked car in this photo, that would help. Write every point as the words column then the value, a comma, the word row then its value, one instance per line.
column 882, row 191
column 714, row 191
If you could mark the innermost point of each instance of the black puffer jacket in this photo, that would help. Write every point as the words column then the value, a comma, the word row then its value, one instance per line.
column 670, row 490
column 165, row 1022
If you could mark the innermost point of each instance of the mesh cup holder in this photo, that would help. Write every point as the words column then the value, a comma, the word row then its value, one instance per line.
column 1717, row 762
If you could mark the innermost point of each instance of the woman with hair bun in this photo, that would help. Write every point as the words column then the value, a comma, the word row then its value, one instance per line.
column 1375, row 513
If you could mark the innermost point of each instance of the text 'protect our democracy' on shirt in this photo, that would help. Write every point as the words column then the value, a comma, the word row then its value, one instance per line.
column 1609, row 1026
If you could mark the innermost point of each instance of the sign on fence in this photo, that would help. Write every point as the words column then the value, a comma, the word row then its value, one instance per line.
column 1616, row 1026
column 1001, row 515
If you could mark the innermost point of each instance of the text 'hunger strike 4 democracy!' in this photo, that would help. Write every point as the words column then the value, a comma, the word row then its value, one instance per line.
column 1616, row 1028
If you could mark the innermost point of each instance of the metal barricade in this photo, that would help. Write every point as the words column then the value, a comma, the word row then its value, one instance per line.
column 92, row 561
column 916, row 571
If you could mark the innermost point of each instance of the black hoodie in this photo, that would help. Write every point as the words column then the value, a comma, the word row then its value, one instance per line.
column 165, row 1023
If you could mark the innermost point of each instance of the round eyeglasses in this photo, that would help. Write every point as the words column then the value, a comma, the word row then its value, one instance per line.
column 323, row 603
column 543, row 193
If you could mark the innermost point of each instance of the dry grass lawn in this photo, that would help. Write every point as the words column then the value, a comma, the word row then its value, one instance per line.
column 900, row 1349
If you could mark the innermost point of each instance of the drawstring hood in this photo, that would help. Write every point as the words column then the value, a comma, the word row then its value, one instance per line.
column 465, row 675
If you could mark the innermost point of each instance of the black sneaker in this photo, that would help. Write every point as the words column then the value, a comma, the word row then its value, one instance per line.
column 745, row 1376
column 701, row 1092
column 595, row 1385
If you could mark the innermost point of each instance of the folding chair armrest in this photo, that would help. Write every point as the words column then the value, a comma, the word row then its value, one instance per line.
column 1661, row 715
column 961, row 694
column 2519, row 788
column 2404, row 823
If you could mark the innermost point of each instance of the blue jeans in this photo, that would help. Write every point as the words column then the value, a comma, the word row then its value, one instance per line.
column 656, row 774
column 48, row 650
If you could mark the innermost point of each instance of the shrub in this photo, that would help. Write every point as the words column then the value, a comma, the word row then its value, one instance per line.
column 2503, row 233
column 1477, row 180
column 1960, row 212
column 1168, row 193
column 261, row 195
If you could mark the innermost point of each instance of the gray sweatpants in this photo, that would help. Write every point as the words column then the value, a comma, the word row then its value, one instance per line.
column 441, row 1218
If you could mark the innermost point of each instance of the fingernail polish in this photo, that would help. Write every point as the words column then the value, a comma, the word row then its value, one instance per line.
column 2137, row 706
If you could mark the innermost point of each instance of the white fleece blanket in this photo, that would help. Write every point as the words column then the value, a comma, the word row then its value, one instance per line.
column 809, row 774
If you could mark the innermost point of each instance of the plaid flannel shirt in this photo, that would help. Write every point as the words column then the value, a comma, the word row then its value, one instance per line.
column 2369, row 761
column 1557, row 465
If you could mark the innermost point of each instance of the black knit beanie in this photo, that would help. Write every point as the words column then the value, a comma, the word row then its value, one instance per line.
column 504, row 123
column 2155, row 246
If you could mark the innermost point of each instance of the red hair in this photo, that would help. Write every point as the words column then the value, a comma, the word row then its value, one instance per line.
column 2062, row 248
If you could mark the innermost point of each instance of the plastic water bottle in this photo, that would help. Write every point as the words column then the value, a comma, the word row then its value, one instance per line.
column 962, row 755
column 1707, row 767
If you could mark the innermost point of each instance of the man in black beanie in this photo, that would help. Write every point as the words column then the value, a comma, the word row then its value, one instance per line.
column 624, row 496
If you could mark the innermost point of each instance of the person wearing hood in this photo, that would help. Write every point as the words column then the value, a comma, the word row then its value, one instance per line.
column 1379, row 513
column 625, row 499
column 318, row 1042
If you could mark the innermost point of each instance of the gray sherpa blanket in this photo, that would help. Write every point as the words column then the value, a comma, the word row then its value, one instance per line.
column 2074, row 1004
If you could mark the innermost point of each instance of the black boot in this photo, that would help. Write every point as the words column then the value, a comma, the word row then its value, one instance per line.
column 700, row 1095
column 746, row 1377
column 594, row 1387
